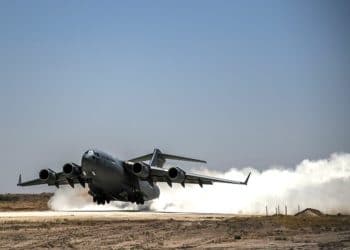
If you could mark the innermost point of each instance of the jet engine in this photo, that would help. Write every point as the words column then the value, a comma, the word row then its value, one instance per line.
column 71, row 169
column 176, row 174
column 47, row 175
column 141, row 170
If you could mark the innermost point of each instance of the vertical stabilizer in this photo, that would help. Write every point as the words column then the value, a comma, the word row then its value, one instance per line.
column 19, row 180
column 157, row 159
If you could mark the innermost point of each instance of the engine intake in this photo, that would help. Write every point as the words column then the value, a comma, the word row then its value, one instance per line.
column 176, row 174
column 140, row 170
column 71, row 169
column 47, row 174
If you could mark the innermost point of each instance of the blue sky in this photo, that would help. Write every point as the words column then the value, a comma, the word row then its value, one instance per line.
column 237, row 83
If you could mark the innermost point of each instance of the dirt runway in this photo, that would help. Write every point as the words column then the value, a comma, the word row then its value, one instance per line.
column 148, row 230
column 106, row 215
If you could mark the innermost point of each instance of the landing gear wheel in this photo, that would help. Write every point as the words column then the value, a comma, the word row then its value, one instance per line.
column 140, row 202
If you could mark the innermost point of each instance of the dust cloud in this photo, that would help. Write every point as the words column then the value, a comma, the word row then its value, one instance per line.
column 323, row 184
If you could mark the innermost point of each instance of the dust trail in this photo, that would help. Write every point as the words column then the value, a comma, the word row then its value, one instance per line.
column 67, row 198
column 323, row 184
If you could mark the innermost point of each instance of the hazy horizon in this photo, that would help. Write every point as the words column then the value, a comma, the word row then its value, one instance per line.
column 235, row 83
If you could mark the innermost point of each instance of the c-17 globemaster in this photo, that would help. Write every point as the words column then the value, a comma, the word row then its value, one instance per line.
column 132, row 181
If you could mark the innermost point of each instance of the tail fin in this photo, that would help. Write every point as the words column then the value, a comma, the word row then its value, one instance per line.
column 157, row 158
column 19, row 180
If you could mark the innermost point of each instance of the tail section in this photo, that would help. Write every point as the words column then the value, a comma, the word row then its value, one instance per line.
column 19, row 180
column 157, row 158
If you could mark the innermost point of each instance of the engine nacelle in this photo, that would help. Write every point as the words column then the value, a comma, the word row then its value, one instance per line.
column 71, row 169
column 176, row 174
column 47, row 175
column 140, row 170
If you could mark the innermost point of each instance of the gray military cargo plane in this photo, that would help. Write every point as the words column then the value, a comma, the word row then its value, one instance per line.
column 131, row 181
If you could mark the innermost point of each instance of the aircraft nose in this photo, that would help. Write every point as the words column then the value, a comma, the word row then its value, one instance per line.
column 89, row 155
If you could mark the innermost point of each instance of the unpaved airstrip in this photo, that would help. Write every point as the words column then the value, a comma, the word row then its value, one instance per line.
column 148, row 230
column 27, row 223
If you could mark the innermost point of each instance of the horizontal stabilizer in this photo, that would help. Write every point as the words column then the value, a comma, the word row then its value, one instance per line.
column 142, row 158
column 181, row 158
column 157, row 158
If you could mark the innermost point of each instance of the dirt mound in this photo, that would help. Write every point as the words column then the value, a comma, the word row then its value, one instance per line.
column 309, row 212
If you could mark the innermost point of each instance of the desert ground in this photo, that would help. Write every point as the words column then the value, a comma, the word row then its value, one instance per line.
column 24, row 202
column 31, row 228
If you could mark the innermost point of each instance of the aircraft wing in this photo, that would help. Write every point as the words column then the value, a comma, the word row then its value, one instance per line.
column 59, row 179
column 29, row 183
column 162, row 175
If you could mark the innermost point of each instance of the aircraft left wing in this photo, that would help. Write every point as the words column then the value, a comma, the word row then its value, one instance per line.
column 29, row 183
column 52, row 178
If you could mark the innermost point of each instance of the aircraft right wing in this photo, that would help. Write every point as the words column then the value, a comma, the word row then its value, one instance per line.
column 196, row 178
column 177, row 175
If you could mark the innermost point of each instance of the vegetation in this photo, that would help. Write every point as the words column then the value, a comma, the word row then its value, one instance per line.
column 18, row 202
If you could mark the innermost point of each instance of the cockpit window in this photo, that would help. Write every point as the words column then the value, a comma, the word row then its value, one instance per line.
column 94, row 155
column 90, row 153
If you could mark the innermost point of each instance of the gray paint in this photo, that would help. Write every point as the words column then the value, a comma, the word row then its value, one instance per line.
column 131, row 181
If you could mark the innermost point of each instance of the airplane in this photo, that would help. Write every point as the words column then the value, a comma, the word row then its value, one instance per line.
column 133, row 181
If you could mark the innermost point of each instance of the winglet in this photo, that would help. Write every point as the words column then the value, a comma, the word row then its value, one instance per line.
column 247, row 179
column 19, row 180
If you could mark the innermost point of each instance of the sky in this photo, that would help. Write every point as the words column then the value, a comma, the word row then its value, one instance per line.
column 237, row 83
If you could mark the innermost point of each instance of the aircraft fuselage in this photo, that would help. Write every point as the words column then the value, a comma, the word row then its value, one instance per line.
column 108, row 180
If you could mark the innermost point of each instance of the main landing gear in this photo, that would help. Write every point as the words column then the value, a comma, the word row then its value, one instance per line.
column 101, row 200
column 137, row 197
